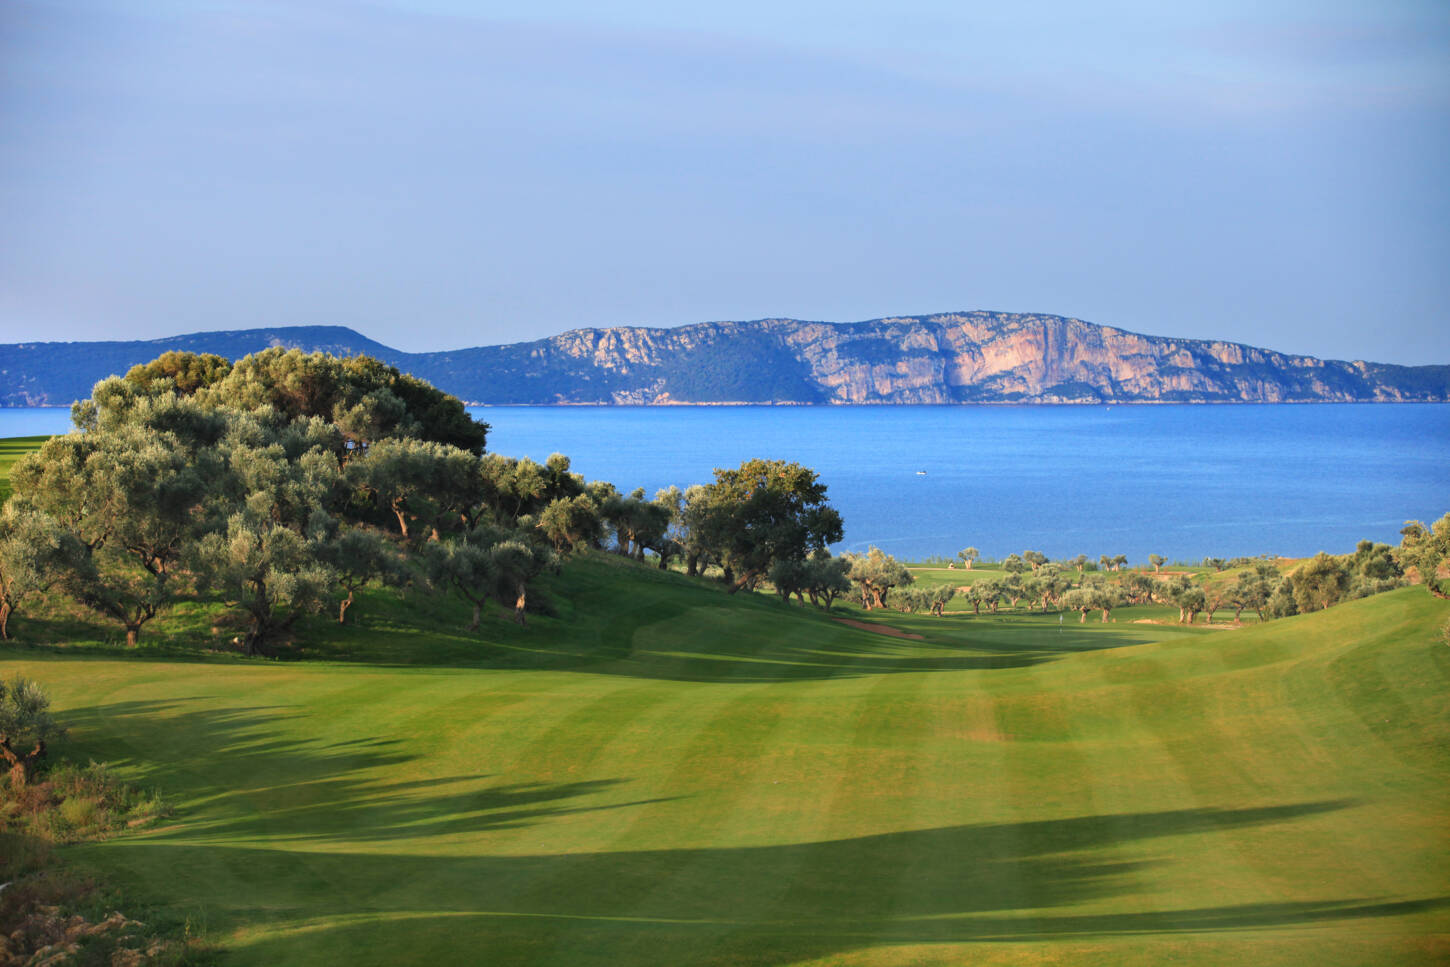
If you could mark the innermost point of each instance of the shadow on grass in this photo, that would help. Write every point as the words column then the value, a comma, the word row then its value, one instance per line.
column 615, row 618
column 261, row 785
column 753, row 905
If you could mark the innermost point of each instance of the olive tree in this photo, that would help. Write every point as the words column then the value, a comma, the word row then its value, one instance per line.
column 969, row 556
column 1187, row 596
column 25, row 720
column 1427, row 551
column 571, row 523
column 939, row 597
column 272, row 558
column 827, row 578
column 134, row 492
column 762, row 512
column 1320, row 582
column 417, row 482
column 358, row 556
column 1253, row 589
column 876, row 573
column 35, row 553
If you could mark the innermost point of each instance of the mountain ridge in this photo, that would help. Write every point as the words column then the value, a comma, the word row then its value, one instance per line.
column 955, row 357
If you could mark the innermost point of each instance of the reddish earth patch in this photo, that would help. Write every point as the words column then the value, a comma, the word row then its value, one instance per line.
column 880, row 629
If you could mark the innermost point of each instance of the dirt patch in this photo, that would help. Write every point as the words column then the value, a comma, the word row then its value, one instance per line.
column 880, row 629
column 1218, row 626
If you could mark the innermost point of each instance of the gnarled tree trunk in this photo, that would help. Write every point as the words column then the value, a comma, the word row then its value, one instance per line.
column 519, row 604
column 21, row 766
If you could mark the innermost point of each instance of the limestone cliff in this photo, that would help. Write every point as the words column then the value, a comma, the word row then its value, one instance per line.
column 965, row 357
column 968, row 357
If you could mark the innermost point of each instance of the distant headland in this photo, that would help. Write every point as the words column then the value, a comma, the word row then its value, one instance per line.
column 954, row 357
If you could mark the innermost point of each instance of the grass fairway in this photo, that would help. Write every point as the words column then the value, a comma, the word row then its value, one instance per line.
column 12, row 449
column 668, row 776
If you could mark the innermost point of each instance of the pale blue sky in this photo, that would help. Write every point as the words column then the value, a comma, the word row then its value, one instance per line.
column 442, row 174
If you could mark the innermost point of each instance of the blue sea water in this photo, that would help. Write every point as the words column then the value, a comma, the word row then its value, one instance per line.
column 1183, row 481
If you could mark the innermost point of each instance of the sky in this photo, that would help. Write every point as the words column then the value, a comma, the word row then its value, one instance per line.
column 440, row 173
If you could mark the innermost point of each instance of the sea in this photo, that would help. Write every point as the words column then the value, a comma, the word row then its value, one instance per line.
column 1184, row 481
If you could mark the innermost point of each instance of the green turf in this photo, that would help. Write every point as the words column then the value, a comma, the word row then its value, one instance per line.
column 12, row 449
column 667, row 775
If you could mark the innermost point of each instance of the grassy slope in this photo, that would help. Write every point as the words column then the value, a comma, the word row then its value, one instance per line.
column 670, row 776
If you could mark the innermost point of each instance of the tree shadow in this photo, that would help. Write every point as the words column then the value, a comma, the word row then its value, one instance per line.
column 260, row 784
column 773, row 904
column 742, row 639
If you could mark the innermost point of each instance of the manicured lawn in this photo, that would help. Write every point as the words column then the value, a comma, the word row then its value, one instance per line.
column 660, row 774
column 12, row 449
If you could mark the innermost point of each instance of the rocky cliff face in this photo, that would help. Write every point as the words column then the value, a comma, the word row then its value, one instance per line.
column 973, row 357
column 966, row 357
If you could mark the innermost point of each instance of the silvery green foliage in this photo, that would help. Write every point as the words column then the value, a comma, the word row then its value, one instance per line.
column 488, row 563
column 273, row 572
column 134, row 489
column 25, row 713
column 26, row 726
column 420, row 483
column 876, row 573
column 272, row 556
column 33, row 551
column 1427, row 550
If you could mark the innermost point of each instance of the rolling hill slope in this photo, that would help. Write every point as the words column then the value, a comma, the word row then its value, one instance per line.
column 664, row 775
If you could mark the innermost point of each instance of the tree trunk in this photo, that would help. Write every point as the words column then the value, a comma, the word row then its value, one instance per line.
column 133, row 634
column 745, row 579
column 1083, row 618
column 729, row 573
column 21, row 765
column 5, row 610
column 519, row 603
column 477, row 613
column 402, row 520
column 342, row 609
column 1105, row 615
column 692, row 565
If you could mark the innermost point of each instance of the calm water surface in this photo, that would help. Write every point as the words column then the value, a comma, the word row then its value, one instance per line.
column 1184, row 481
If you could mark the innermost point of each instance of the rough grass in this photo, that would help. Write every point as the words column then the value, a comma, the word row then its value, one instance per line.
column 661, row 774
